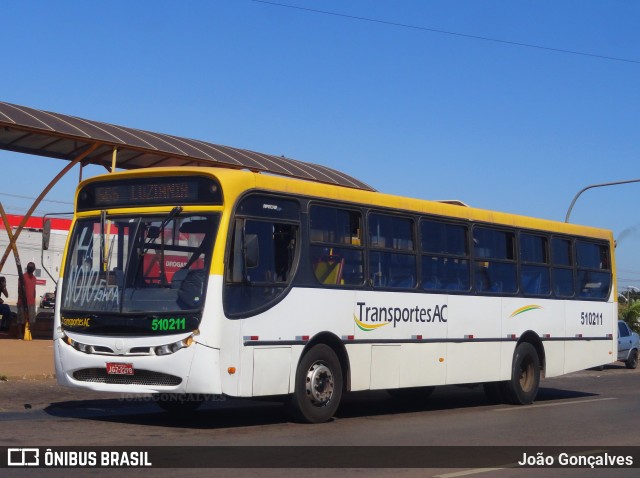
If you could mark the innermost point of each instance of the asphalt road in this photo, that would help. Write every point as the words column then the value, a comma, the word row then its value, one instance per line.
column 587, row 409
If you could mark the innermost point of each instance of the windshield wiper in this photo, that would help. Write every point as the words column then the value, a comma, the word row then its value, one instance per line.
column 174, row 212
column 170, row 217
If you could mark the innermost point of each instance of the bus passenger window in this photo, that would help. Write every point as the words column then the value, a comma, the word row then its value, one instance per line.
column 594, row 270
column 445, row 256
column 262, row 256
column 562, row 272
column 495, row 265
column 392, row 258
column 273, row 246
column 336, row 251
column 534, row 269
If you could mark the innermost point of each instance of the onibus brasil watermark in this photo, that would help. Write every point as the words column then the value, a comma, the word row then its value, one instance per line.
column 34, row 457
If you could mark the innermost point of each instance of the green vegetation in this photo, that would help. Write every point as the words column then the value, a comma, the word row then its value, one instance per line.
column 630, row 313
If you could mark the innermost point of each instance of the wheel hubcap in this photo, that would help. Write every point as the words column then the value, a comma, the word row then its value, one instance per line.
column 526, row 375
column 319, row 384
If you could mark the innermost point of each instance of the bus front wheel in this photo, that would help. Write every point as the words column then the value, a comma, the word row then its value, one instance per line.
column 318, row 386
column 525, row 376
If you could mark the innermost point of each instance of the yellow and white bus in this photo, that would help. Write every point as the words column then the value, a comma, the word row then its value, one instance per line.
column 184, row 282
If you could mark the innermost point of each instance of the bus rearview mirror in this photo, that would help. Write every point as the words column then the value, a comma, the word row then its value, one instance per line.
column 46, row 234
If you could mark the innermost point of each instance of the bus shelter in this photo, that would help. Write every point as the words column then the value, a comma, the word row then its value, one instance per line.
column 82, row 142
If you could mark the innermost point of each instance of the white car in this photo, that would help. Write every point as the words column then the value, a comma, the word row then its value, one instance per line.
column 627, row 345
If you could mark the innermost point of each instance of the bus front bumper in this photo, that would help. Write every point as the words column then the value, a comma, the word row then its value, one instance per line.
column 192, row 369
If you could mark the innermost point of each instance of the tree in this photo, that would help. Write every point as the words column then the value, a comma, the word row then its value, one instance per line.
column 630, row 313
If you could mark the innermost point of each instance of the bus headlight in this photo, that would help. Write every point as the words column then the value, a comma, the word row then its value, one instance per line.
column 163, row 350
column 159, row 350
column 174, row 347
column 77, row 345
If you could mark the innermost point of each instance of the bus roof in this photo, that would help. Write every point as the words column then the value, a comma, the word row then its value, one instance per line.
column 32, row 131
column 237, row 182
column 451, row 209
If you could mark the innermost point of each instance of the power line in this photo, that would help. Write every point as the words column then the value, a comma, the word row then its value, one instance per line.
column 445, row 32
column 21, row 211
column 32, row 198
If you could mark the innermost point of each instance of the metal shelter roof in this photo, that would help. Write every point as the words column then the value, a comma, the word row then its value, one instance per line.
column 32, row 131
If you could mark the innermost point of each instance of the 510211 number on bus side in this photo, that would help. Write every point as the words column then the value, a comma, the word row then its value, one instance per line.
column 591, row 318
column 166, row 324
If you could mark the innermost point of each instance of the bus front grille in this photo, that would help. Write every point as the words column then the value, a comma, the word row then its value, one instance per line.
column 141, row 377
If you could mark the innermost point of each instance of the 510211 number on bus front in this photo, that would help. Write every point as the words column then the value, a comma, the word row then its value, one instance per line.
column 169, row 324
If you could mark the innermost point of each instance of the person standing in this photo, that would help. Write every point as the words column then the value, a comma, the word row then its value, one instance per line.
column 5, row 311
column 29, row 280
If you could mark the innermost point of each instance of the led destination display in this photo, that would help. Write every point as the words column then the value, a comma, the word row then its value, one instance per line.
column 187, row 190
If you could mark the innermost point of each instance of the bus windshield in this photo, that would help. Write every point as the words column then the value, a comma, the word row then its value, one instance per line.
column 141, row 264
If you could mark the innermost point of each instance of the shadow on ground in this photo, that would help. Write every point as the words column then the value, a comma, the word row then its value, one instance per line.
column 237, row 413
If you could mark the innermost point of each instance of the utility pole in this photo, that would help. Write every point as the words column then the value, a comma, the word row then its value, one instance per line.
column 615, row 183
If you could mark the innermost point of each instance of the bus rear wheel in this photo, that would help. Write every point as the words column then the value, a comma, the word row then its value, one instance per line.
column 318, row 386
column 525, row 376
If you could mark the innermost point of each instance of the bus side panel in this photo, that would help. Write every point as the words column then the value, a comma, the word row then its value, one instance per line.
column 360, row 363
column 271, row 370
column 204, row 376
column 385, row 366
column 506, row 359
column 264, row 369
column 407, row 332
column 225, row 335
column 554, row 356
column 244, row 376
column 543, row 317
column 470, row 320
column 598, row 352
column 588, row 323
column 423, row 364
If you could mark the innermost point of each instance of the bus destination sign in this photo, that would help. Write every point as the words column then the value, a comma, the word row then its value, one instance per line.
column 149, row 192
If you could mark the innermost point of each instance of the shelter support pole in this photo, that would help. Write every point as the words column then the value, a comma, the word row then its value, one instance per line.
column 39, row 199
column 113, row 159
column 22, row 293
column 106, row 244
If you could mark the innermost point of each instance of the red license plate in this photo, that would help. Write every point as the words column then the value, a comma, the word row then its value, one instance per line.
column 119, row 368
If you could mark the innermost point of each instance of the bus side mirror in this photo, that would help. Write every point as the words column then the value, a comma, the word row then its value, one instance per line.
column 46, row 234
column 251, row 250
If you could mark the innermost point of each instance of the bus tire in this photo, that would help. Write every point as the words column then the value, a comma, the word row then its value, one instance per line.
column 176, row 403
column 525, row 376
column 318, row 386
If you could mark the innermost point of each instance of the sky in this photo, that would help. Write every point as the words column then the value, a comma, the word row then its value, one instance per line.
column 506, row 105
